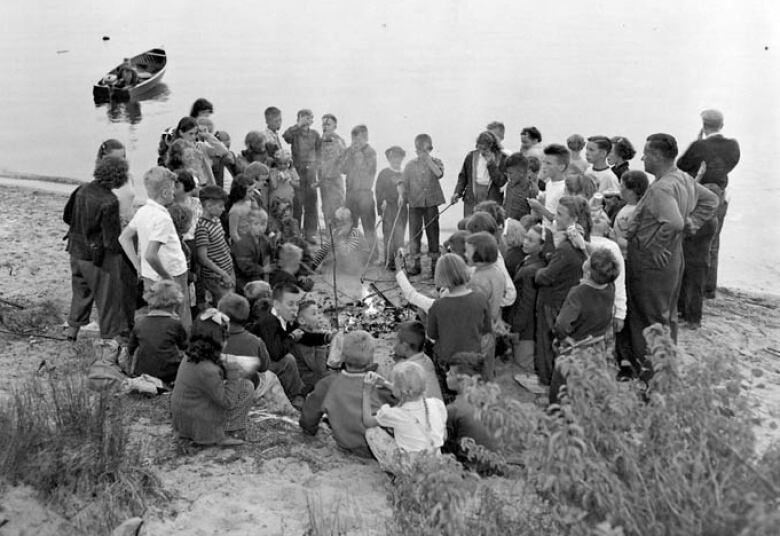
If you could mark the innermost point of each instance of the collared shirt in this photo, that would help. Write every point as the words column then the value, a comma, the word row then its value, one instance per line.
column 273, row 137
column 552, row 195
column 282, row 321
column 333, row 147
column 306, row 144
column 422, row 187
column 153, row 223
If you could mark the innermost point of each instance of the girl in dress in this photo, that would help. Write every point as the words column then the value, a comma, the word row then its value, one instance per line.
column 209, row 401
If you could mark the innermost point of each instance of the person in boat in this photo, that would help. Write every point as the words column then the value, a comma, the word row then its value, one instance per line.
column 127, row 75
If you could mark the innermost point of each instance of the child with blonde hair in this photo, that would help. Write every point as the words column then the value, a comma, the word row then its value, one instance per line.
column 288, row 266
column 159, row 338
column 418, row 422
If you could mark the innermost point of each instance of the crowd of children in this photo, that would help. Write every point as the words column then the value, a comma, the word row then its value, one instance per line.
column 224, row 267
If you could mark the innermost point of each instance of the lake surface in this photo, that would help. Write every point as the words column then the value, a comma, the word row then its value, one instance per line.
column 404, row 67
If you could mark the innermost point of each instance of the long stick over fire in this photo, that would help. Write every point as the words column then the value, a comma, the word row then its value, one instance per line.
column 335, row 287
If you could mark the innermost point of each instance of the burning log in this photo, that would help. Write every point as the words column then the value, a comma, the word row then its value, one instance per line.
column 374, row 313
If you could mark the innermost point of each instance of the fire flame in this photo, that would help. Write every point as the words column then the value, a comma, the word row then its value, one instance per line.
column 371, row 302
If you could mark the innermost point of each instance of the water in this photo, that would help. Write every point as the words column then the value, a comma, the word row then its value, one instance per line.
column 441, row 66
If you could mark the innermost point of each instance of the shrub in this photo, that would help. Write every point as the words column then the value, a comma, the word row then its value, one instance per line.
column 674, row 458
column 69, row 444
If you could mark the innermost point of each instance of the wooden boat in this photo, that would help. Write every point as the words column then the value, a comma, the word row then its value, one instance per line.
column 149, row 67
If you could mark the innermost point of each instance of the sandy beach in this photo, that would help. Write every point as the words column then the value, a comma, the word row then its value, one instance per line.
column 270, row 485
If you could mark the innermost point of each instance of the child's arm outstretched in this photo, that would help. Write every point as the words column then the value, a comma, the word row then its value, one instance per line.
column 369, row 421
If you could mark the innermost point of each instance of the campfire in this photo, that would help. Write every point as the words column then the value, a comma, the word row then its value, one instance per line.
column 374, row 312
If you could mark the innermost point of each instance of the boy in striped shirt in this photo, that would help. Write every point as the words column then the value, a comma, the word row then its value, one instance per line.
column 216, row 272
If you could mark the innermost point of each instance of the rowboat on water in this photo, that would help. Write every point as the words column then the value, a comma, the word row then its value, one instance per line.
column 132, row 78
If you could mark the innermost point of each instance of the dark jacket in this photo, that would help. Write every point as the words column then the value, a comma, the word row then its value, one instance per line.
column 306, row 144
column 522, row 316
column 278, row 340
column 721, row 155
column 465, row 186
column 251, row 255
column 92, row 212
column 562, row 273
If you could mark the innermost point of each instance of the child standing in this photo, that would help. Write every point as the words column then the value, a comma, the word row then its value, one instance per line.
column 288, row 266
column 460, row 317
column 359, row 166
column 587, row 311
column 408, row 348
column 487, row 279
column 424, row 195
column 253, row 251
column 563, row 271
column 312, row 360
column 207, row 400
column 159, row 338
column 519, row 187
column 239, row 204
column 633, row 185
column 391, row 205
column 330, row 181
column 306, row 145
column 419, row 423
column 522, row 315
column 216, row 267
column 341, row 396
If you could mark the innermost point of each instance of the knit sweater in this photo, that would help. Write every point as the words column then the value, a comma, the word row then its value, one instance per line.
column 340, row 396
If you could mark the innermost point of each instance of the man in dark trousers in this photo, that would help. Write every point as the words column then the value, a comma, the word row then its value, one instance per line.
column 673, row 205
column 279, row 330
column 720, row 155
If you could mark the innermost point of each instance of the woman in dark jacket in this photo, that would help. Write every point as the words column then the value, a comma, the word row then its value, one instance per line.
column 92, row 213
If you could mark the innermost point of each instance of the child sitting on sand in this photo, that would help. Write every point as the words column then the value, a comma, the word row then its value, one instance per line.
column 159, row 338
column 462, row 422
column 252, row 252
column 258, row 294
column 418, row 422
column 408, row 348
column 340, row 396
column 312, row 360
column 208, row 401
column 288, row 266
column 239, row 205
column 586, row 315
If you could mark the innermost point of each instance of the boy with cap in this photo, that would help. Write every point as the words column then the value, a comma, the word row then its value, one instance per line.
column 340, row 396
column 216, row 266
column 391, row 205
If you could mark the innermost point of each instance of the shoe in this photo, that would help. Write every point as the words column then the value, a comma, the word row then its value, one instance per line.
column 693, row 326
column 311, row 240
column 230, row 442
column 710, row 295
column 625, row 373
column 530, row 382
column 415, row 268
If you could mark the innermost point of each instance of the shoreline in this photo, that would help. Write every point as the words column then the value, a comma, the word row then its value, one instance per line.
column 63, row 186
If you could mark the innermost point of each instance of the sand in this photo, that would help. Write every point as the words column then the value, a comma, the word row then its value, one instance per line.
column 268, row 486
